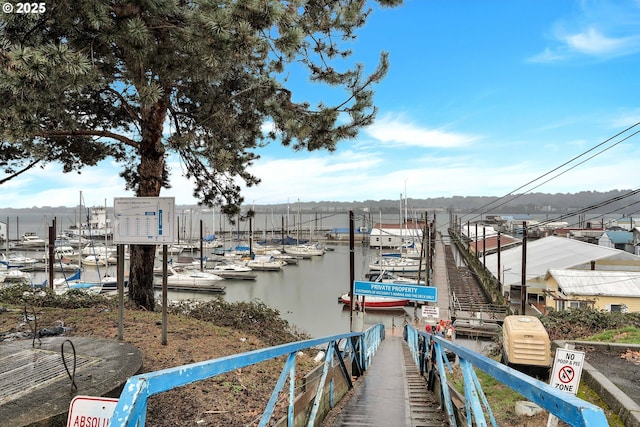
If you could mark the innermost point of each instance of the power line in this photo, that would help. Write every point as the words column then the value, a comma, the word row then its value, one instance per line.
column 558, row 168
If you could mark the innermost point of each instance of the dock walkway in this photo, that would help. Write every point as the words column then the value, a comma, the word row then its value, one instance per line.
column 391, row 393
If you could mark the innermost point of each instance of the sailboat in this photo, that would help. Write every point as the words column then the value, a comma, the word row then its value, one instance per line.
column 65, row 284
column 303, row 250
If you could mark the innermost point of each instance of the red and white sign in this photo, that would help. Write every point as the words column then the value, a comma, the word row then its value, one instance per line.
column 91, row 411
column 567, row 370
column 430, row 311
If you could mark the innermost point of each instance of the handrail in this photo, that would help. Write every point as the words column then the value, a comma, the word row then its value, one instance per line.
column 360, row 347
column 427, row 347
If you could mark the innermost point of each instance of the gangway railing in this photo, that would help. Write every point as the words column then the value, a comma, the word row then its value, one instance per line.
column 428, row 352
column 358, row 348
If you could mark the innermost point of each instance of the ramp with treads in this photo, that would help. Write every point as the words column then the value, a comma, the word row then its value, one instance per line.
column 391, row 393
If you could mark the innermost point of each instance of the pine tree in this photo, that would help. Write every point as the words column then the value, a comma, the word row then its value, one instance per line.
column 87, row 80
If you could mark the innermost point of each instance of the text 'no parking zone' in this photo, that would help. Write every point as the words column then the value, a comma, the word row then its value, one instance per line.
column 395, row 290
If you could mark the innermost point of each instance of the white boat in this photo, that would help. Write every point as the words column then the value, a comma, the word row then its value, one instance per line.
column 98, row 224
column 65, row 284
column 229, row 267
column 64, row 251
column 304, row 251
column 396, row 264
column 177, row 276
column 95, row 260
column 71, row 240
column 98, row 249
column 32, row 240
column 14, row 276
column 389, row 277
column 265, row 263
column 13, row 260
column 233, row 270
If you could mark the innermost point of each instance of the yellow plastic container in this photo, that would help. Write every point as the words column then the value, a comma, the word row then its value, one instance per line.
column 526, row 345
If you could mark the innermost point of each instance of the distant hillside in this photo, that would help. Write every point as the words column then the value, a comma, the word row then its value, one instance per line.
column 534, row 203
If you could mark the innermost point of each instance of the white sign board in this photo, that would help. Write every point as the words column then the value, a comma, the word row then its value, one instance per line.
column 430, row 311
column 90, row 411
column 567, row 370
column 144, row 220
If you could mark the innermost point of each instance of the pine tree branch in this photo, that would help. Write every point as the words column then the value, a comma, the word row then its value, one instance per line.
column 85, row 132
column 127, row 107
column 20, row 172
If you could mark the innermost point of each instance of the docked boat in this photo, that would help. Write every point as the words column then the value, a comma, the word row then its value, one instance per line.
column 389, row 277
column 184, row 277
column 233, row 270
column 93, row 248
column 13, row 260
column 396, row 263
column 98, row 224
column 229, row 267
column 32, row 240
column 71, row 240
column 74, row 282
column 94, row 260
column 265, row 263
column 377, row 303
column 305, row 251
column 14, row 276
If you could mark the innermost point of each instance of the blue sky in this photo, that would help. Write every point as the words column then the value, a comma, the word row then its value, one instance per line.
column 481, row 98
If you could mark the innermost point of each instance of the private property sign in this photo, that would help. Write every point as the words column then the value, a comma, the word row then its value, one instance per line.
column 567, row 370
column 395, row 290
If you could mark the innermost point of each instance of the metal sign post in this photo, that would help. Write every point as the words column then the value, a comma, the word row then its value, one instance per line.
column 144, row 221
column 567, row 370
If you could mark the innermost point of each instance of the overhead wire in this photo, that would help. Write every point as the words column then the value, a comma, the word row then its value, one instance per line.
column 567, row 162
column 492, row 204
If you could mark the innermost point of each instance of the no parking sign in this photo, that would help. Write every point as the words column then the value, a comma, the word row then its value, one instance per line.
column 567, row 370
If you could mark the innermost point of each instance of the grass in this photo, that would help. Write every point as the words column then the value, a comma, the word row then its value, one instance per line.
column 627, row 335
column 502, row 401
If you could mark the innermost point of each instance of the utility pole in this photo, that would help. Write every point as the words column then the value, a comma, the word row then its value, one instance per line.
column 523, row 280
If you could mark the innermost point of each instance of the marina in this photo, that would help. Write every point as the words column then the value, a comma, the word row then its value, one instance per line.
column 306, row 293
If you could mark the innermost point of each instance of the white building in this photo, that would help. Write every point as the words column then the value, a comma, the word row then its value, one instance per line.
column 396, row 235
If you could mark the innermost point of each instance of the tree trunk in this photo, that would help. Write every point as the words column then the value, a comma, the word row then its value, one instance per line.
column 151, row 171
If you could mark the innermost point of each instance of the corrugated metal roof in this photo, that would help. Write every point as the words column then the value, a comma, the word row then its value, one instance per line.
column 550, row 253
column 620, row 236
column 483, row 230
column 597, row 282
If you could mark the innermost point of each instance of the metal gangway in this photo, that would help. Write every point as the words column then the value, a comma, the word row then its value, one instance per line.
column 351, row 355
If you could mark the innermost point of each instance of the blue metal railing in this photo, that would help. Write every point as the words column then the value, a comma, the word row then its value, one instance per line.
column 429, row 352
column 359, row 348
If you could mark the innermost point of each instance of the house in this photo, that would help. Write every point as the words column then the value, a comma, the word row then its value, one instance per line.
column 622, row 240
column 588, row 234
column 396, row 235
column 484, row 240
column 635, row 240
column 598, row 289
column 549, row 253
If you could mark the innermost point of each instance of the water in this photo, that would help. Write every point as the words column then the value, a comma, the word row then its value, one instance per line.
column 306, row 294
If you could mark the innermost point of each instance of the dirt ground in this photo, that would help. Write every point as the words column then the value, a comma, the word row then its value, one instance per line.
column 620, row 365
column 237, row 398
column 234, row 399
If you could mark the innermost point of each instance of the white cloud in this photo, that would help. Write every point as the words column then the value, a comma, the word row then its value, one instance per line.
column 390, row 129
column 547, row 56
column 593, row 42
column 599, row 30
